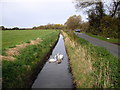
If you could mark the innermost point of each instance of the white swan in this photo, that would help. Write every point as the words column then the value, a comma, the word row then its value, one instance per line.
column 60, row 56
column 52, row 60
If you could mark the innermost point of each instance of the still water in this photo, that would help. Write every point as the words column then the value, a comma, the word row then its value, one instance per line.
column 54, row 75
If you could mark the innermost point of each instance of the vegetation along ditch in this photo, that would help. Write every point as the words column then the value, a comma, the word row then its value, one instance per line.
column 21, row 72
column 91, row 66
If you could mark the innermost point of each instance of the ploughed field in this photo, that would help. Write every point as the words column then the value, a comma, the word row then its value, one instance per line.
column 23, row 51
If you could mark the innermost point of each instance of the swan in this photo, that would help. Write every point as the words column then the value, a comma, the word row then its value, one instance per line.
column 52, row 60
column 57, row 58
column 60, row 56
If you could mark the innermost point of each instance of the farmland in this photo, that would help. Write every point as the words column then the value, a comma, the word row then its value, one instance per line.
column 19, row 72
column 12, row 38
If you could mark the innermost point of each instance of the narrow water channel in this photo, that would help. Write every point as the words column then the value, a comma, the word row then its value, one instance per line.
column 54, row 75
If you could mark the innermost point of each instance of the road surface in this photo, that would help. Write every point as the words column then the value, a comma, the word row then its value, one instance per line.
column 112, row 48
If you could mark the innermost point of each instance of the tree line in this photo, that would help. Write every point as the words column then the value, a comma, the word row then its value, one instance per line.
column 14, row 28
column 41, row 27
column 103, row 17
column 50, row 26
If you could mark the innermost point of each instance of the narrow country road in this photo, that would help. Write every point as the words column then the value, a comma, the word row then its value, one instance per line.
column 109, row 46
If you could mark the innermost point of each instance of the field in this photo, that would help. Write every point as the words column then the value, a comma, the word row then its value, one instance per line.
column 91, row 66
column 19, row 73
column 11, row 38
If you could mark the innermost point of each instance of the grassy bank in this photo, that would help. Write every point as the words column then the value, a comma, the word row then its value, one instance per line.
column 111, row 40
column 21, row 72
column 91, row 66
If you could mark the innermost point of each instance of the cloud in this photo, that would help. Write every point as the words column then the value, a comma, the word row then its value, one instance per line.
column 31, row 1
column 29, row 13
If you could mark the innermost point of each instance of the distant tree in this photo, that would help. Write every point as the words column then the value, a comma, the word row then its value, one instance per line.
column 34, row 28
column 2, row 28
column 73, row 22
column 15, row 28
column 84, row 26
column 50, row 26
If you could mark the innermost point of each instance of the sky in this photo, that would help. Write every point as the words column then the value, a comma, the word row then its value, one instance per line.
column 30, row 13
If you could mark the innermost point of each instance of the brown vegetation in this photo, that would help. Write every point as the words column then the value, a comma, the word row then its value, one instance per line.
column 11, row 52
column 80, row 62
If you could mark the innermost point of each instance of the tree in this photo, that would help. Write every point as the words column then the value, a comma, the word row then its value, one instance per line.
column 73, row 22
column 2, row 28
column 102, row 20
column 95, row 14
column 114, row 8
column 15, row 28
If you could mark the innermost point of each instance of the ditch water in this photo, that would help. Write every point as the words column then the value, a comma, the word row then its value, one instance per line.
column 54, row 75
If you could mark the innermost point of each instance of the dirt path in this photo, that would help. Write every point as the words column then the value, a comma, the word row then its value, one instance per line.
column 112, row 48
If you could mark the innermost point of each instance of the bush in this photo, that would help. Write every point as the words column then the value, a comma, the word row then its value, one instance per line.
column 110, row 27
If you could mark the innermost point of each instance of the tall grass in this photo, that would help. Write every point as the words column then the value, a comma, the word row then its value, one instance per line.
column 92, row 66
column 20, row 73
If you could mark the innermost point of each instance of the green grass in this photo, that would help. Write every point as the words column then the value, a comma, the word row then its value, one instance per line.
column 11, row 38
column 19, row 73
column 92, row 66
column 111, row 40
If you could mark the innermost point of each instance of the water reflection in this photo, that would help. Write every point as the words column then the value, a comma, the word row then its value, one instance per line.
column 54, row 75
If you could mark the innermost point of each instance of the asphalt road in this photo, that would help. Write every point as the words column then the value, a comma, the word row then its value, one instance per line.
column 112, row 48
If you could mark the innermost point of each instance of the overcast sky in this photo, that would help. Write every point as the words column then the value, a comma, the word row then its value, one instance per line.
column 30, row 13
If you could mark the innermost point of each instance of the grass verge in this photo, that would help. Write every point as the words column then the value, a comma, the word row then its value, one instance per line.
column 21, row 72
column 92, row 66
column 111, row 40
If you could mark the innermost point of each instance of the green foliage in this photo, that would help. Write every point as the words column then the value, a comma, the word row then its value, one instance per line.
column 19, row 73
column 84, row 26
column 102, row 21
column 110, row 26
column 111, row 40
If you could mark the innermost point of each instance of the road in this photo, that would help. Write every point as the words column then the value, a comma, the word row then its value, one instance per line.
column 112, row 48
